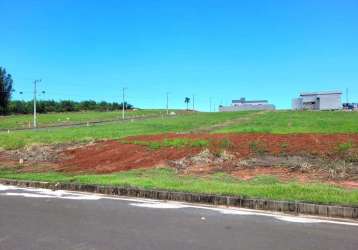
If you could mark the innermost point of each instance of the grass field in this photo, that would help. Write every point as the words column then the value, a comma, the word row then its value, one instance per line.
column 163, row 178
column 18, row 139
column 271, row 122
column 282, row 122
column 23, row 121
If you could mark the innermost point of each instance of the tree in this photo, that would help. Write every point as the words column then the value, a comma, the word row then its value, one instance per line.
column 67, row 106
column 187, row 100
column 126, row 106
column 5, row 90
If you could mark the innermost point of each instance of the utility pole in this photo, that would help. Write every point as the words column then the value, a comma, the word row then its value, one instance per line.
column 35, row 93
column 167, row 103
column 347, row 95
column 123, row 102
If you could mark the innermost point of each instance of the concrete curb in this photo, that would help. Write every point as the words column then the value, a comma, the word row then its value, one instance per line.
column 347, row 212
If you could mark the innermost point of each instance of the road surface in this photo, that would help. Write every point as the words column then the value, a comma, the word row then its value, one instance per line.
column 44, row 219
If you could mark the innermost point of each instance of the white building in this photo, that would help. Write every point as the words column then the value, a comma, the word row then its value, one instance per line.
column 242, row 104
column 325, row 100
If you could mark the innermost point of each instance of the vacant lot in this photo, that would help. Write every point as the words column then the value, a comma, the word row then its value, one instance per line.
column 310, row 156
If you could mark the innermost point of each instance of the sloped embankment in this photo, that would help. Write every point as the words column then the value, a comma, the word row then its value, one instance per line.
column 304, row 157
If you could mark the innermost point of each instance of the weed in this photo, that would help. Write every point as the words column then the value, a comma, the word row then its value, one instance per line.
column 283, row 148
column 338, row 169
column 225, row 144
column 154, row 145
column 284, row 145
column 348, row 151
column 217, row 153
column 343, row 148
column 200, row 143
column 176, row 143
column 173, row 143
column 257, row 147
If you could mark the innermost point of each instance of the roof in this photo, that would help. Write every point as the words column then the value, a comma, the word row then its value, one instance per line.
column 252, row 101
column 309, row 99
column 321, row 93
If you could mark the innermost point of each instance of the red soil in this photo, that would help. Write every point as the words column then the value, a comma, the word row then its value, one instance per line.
column 291, row 144
column 111, row 156
column 6, row 161
column 281, row 172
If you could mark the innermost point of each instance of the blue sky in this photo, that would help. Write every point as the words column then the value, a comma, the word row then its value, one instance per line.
column 220, row 49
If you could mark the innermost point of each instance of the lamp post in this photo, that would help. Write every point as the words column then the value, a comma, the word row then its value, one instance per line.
column 35, row 104
column 34, row 101
column 123, row 102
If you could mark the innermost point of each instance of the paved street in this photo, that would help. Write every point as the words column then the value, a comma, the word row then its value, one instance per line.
column 44, row 219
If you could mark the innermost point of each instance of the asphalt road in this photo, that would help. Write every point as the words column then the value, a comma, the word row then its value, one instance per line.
column 43, row 219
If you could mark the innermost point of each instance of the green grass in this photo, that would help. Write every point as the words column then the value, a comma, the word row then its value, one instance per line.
column 18, row 139
column 23, row 121
column 267, row 187
column 282, row 122
column 271, row 122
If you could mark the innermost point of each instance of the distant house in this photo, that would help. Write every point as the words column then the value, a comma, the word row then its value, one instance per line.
column 325, row 100
column 350, row 106
column 242, row 105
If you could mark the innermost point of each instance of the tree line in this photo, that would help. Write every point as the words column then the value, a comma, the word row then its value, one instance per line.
column 48, row 106
column 7, row 106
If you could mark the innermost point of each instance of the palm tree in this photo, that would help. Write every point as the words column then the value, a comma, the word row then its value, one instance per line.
column 187, row 100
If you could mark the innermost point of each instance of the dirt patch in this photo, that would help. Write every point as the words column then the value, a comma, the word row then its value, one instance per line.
column 304, row 157
column 37, row 157
column 208, row 162
column 245, row 145
column 204, row 162
column 112, row 156
column 289, row 168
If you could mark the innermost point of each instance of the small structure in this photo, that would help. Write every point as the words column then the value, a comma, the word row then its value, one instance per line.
column 350, row 106
column 324, row 100
column 242, row 105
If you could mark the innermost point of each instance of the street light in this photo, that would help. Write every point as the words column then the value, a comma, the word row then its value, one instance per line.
column 35, row 102
column 123, row 103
